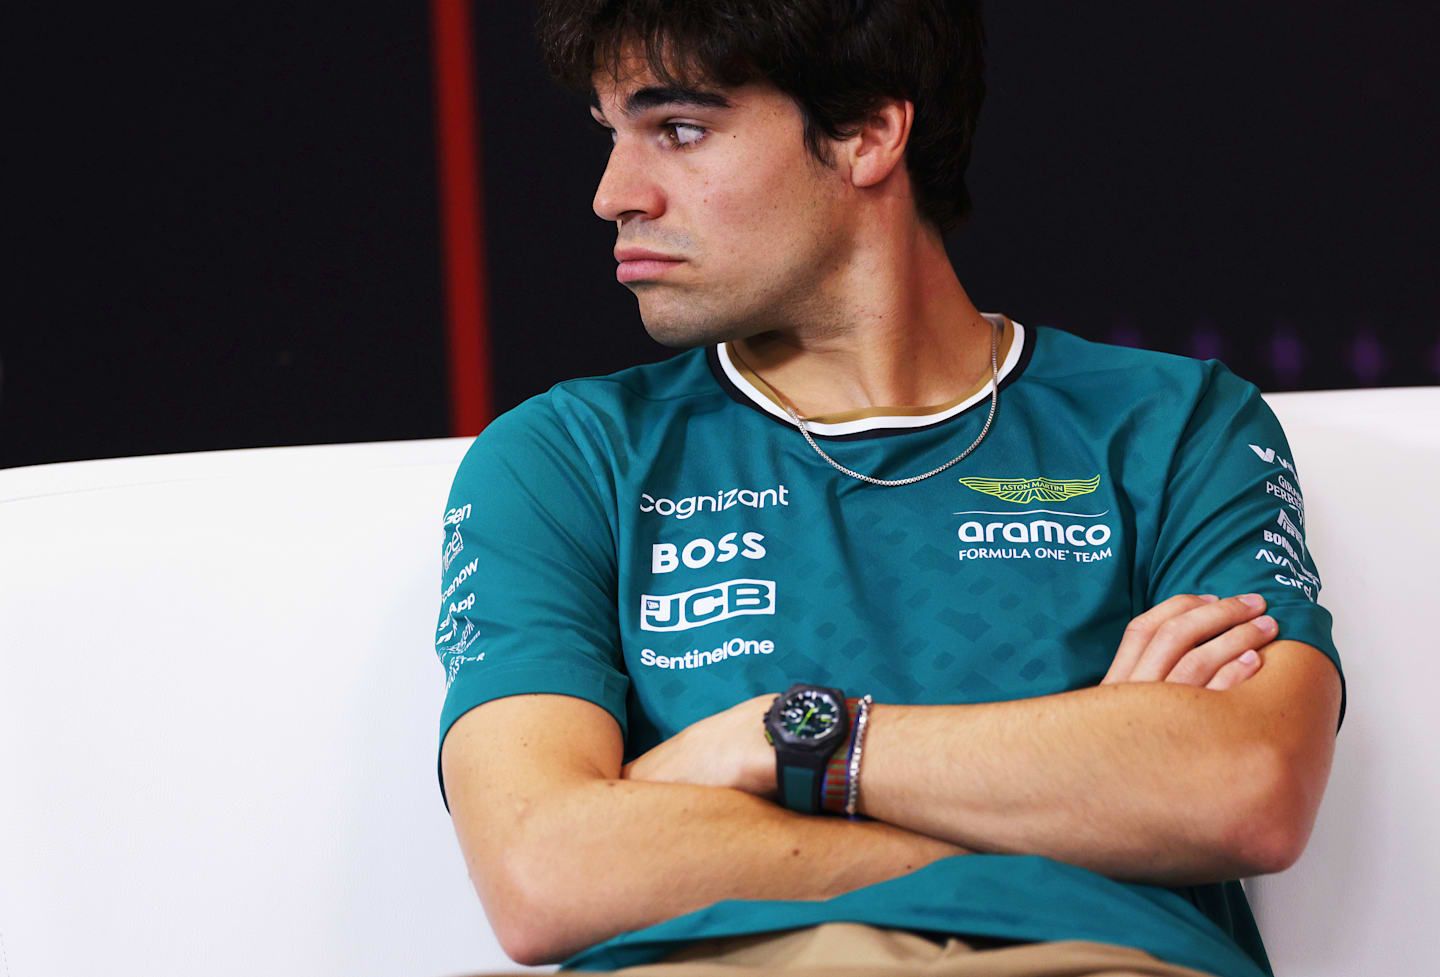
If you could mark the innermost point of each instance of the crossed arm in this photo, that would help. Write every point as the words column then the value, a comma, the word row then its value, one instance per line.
column 1182, row 767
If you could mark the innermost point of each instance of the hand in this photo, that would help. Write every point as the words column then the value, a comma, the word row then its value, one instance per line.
column 1194, row 641
column 727, row 749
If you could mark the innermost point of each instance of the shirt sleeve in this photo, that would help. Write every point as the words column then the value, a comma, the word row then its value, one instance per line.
column 1233, row 517
column 528, row 578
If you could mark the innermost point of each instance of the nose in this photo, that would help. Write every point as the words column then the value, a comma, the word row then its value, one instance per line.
column 627, row 189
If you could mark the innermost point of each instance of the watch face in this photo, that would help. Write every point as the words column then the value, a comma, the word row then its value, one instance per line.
column 809, row 714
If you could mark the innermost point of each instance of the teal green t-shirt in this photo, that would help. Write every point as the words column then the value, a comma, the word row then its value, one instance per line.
column 664, row 543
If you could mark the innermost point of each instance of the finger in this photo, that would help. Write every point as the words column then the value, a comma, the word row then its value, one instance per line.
column 1233, row 673
column 1177, row 636
column 1199, row 665
column 1139, row 632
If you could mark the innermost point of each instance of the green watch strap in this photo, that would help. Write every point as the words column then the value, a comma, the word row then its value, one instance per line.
column 798, row 789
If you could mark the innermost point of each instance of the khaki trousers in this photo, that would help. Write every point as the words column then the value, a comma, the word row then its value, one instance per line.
column 856, row 950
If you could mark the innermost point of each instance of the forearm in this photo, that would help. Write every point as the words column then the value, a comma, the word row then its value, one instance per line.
column 1149, row 782
column 594, row 859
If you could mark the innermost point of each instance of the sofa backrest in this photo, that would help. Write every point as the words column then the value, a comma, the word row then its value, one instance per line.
column 219, row 708
column 218, row 717
column 1365, row 896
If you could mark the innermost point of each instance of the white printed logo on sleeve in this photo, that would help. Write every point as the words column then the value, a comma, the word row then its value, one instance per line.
column 1269, row 456
column 455, row 545
column 456, row 633
column 1286, row 550
column 453, row 655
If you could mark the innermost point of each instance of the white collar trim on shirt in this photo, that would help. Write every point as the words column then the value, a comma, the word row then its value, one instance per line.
column 881, row 421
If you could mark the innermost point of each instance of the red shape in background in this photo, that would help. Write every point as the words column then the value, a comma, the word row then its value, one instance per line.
column 457, row 139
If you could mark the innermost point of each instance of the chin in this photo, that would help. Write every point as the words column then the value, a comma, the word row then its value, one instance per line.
column 686, row 328
column 679, row 338
column 680, row 332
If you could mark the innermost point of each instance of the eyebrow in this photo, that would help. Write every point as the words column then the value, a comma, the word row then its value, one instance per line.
column 657, row 95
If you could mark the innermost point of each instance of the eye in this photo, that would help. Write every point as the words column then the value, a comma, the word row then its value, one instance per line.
column 681, row 135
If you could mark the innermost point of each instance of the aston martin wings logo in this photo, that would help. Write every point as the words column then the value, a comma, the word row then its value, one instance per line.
column 1024, row 490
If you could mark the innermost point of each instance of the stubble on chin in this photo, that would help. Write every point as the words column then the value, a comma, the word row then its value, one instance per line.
column 685, row 322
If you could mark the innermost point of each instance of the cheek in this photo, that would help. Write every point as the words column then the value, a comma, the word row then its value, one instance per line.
column 776, row 211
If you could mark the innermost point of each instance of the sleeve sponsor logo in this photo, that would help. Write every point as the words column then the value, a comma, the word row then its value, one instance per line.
column 455, row 545
column 706, row 605
column 1286, row 548
column 1287, row 493
column 453, row 655
column 1026, row 490
column 1291, row 528
column 449, row 621
column 1269, row 456
column 1301, row 579
column 461, row 576
column 699, row 553
column 1275, row 539
column 1293, row 559
column 1289, row 561
column 719, row 502
column 1310, row 590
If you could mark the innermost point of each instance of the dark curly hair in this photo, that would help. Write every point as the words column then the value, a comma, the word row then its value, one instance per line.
column 838, row 59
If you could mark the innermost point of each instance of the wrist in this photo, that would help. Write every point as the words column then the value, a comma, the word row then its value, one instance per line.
column 761, row 778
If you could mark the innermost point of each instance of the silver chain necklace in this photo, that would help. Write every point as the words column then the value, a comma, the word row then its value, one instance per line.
column 994, row 403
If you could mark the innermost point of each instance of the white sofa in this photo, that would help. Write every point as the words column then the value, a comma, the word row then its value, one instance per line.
column 219, row 707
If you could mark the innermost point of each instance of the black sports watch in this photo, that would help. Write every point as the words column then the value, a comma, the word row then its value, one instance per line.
column 806, row 724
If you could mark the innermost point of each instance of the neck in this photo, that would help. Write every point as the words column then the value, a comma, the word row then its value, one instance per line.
column 898, row 331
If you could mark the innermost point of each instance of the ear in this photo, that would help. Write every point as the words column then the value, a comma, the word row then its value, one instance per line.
column 877, row 148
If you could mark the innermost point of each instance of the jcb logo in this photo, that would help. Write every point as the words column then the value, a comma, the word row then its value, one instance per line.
column 706, row 605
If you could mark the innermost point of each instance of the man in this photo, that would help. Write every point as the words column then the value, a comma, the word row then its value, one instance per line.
column 989, row 555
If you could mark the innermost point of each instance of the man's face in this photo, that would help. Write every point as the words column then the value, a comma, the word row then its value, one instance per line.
column 717, row 182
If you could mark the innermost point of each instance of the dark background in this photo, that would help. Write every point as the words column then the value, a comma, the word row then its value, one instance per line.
column 228, row 230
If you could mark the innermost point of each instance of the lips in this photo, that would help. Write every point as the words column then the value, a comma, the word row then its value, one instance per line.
column 642, row 254
column 642, row 264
